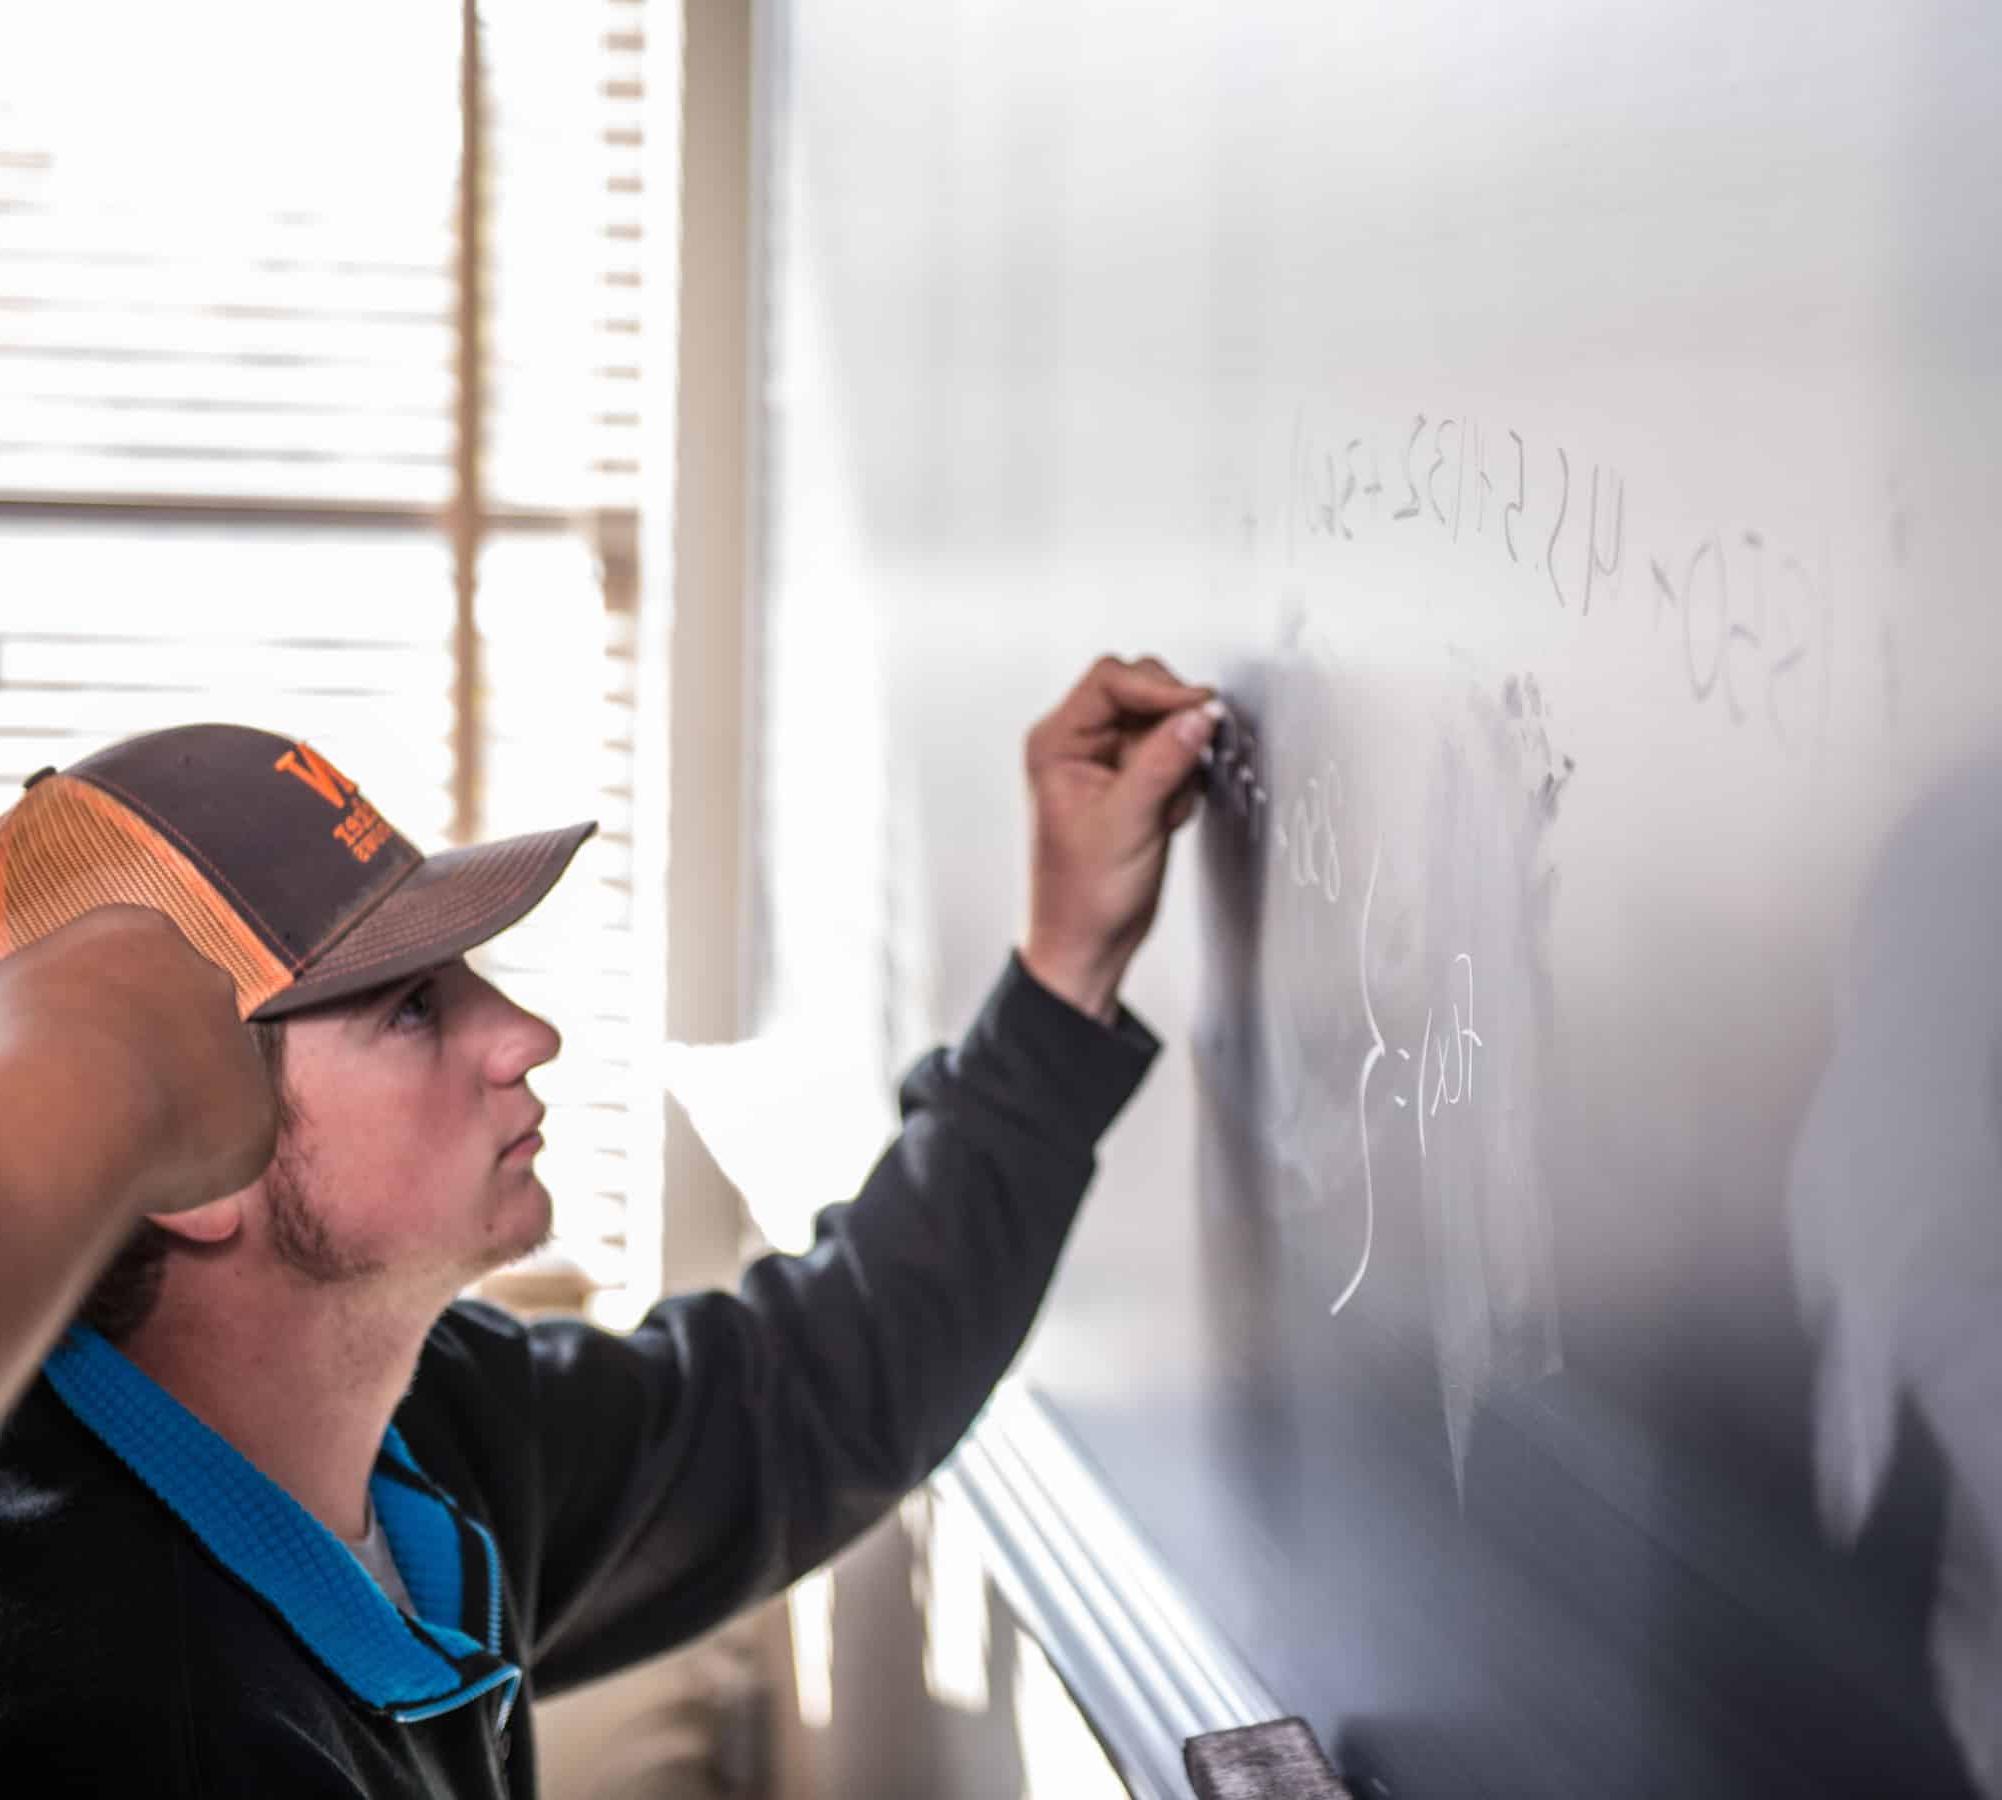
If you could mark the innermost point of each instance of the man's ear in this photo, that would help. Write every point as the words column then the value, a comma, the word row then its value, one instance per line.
column 216, row 1222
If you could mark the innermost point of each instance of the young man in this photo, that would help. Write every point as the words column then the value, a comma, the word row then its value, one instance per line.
column 307, row 1527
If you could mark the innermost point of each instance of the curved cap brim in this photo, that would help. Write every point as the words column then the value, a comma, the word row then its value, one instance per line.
column 447, row 905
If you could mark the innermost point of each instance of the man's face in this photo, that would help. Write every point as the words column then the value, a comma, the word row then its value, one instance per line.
column 412, row 1155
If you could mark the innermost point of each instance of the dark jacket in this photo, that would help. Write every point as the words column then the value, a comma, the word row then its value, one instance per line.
column 561, row 1501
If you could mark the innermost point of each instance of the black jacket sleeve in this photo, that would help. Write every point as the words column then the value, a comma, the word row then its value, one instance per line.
column 731, row 1443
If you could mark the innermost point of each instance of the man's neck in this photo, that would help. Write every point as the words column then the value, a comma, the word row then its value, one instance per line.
column 305, row 1391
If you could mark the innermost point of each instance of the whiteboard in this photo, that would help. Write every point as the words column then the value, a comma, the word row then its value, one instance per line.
column 1542, row 1305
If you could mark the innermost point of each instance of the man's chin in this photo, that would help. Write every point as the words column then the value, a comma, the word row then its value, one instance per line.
column 526, row 1226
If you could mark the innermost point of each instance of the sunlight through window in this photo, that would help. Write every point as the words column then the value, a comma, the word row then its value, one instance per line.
column 1061, row 1760
column 810, row 1605
column 950, row 1591
column 251, row 468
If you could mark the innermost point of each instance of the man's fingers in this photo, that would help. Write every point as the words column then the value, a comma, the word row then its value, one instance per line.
column 1112, row 696
column 1153, row 665
column 1147, row 688
column 251, row 1155
column 1166, row 759
column 239, row 1150
column 1113, row 704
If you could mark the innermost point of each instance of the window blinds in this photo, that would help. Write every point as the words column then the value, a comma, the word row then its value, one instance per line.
column 230, row 286
column 219, row 280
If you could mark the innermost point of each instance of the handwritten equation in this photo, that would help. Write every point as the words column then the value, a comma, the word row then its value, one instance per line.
column 1442, row 1049
column 1302, row 830
column 1745, row 617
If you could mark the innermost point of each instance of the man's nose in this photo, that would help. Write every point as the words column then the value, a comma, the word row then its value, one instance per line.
column 521, row 1041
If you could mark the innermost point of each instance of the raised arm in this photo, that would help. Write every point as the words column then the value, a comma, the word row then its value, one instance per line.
column 732, row 1442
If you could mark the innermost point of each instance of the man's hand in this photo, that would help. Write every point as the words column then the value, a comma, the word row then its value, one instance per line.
column 127, row 1086
column 1112, row 774
column 117, row 1015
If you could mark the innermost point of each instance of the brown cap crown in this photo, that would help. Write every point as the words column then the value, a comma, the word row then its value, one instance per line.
column 269, row 858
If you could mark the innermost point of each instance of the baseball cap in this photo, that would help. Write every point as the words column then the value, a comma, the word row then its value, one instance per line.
column 268, row 858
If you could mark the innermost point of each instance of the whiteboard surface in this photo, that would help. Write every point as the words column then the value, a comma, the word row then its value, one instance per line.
column 1540, row 1304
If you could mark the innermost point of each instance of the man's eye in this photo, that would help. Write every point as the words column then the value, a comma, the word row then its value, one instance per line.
column 416, row 1010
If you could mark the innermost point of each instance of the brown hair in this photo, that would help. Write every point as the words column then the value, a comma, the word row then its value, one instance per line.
column 125, row 1294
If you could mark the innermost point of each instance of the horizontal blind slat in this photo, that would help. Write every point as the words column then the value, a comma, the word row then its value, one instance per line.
column 106, row 428
column 38, row 223
column 53, row 663
column 323, row 341
column 162, row 286
column 305, row 481
column 86, row 374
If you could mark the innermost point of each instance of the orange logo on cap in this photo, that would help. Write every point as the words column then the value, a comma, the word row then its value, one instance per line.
column 361, row 831
column 318, row 774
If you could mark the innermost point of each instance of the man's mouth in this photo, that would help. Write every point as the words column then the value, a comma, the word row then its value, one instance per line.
column 528, row 1143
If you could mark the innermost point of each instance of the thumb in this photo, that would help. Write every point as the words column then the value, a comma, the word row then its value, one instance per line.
column 1165, row 759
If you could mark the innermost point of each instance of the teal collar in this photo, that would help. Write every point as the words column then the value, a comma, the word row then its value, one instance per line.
column 408, row 1668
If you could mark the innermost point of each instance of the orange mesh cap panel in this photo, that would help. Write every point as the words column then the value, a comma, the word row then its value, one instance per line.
column 68, row 847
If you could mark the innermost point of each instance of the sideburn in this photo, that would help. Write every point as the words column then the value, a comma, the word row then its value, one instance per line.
column 299, row 1233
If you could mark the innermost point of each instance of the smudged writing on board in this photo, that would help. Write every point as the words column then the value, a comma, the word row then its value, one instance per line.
column 1301, row 828
column 1527, row 719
